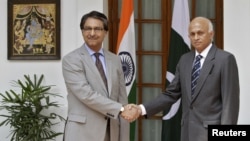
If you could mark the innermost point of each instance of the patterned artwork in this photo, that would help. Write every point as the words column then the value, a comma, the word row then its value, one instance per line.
column 34, row 31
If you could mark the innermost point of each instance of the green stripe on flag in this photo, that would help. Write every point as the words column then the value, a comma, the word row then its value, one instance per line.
column 179, row 44
column 177, row 48
column 171, row 127
column 132, row 99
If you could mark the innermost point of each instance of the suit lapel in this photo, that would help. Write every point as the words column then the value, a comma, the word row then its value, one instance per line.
column 87, row 59
column 205, row 71
column 188, row 69
column 108, row 61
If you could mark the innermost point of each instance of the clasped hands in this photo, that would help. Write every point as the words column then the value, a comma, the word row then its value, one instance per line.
column 131, row 112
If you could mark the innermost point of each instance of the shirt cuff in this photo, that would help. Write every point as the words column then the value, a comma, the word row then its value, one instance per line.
column 143, row 110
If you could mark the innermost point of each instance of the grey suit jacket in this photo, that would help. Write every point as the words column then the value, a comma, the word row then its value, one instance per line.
column 89, row 103
column 216, row 98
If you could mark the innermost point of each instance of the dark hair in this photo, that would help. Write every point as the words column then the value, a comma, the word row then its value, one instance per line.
column 96, row 15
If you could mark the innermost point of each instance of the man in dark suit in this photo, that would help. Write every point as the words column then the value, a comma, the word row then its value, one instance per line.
column 215, row 99
column 95, row 100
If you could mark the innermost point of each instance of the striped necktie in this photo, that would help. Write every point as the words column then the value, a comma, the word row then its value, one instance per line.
column 195, row 73
column 99, row 66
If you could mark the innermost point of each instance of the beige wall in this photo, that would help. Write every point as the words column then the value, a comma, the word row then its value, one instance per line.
column 237, row 41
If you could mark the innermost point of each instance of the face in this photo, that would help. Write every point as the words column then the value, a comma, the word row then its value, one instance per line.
column 199, row 34
column 93, row 33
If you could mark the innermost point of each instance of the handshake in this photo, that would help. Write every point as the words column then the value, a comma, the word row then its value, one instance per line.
column 131, row 112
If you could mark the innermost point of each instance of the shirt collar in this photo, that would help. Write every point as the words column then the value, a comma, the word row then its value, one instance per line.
column 204, row 52
column 91, row 52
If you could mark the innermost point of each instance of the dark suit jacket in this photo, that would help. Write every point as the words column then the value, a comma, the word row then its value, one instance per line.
column 89, row 105
column 216, row 98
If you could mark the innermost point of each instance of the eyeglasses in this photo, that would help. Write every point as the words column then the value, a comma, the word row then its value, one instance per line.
column 96, row 29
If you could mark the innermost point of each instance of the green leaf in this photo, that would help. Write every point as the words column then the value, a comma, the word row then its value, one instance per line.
column 27, row 114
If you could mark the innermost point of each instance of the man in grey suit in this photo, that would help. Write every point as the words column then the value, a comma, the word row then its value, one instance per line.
column 215, row 99
column 94, row 104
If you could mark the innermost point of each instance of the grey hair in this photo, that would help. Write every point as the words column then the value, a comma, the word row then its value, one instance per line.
column 210, row 26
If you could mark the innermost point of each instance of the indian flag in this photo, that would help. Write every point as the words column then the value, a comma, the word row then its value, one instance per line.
column 126, row 51
column 179, row 44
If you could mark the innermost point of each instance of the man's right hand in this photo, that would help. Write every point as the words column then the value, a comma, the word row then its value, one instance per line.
column 131, row 112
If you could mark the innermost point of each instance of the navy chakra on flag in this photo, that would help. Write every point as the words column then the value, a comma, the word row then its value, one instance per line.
column 128, row 67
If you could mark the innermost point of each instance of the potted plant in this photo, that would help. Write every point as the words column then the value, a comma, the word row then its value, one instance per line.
column 28, row 110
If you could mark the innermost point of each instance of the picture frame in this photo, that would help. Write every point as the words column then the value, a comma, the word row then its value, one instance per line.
column 34, row 30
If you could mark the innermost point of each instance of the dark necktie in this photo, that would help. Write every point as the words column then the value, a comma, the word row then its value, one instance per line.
column 195, row 73
column 99, row 66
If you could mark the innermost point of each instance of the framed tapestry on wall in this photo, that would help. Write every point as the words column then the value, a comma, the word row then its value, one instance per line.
column 34, row 30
